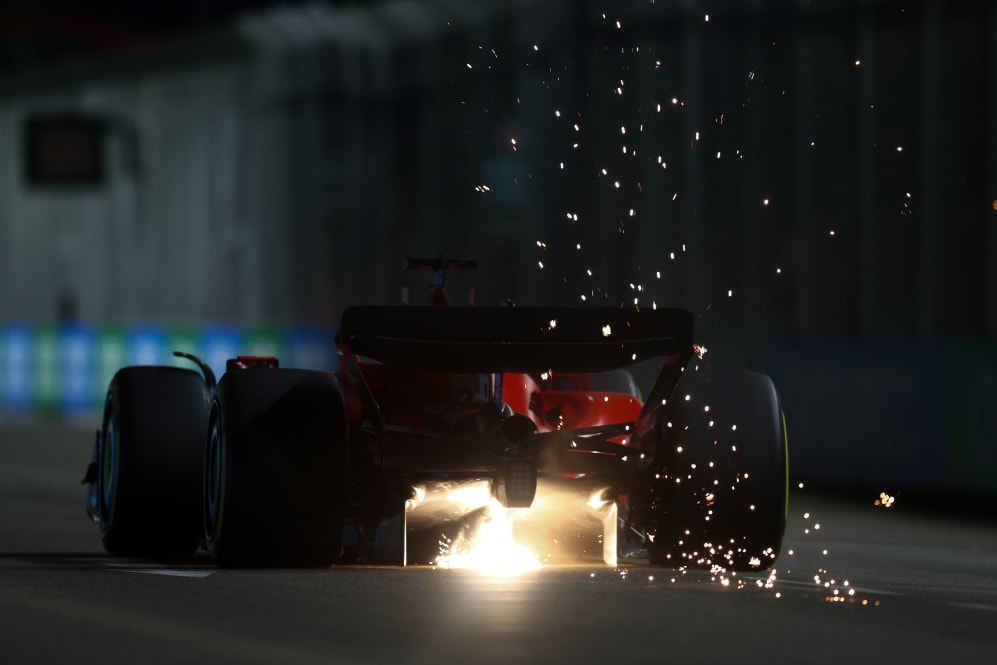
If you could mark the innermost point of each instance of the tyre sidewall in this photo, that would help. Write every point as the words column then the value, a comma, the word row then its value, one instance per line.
column 282, row 469
column 150, row 457
column 721, row 496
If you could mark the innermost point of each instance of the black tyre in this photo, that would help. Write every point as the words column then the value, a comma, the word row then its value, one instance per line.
column 275, row 475
column 150, row 458
column 719, row 494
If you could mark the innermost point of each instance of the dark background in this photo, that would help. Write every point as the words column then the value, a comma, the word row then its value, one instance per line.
column 892, row 155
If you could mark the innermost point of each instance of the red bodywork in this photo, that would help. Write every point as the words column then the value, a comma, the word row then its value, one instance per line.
column 437, row 401
column 443, row 396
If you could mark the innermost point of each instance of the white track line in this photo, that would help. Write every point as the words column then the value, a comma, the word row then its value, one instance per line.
column 986, row 607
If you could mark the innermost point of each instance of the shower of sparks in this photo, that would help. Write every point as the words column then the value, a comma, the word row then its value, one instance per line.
column 491, row 550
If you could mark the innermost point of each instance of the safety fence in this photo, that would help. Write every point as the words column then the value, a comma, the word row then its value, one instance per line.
column 65, row 369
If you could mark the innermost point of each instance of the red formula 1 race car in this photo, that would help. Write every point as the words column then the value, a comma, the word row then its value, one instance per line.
column 436, row 417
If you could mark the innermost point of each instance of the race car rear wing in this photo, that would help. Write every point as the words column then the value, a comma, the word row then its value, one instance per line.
column 514, row 339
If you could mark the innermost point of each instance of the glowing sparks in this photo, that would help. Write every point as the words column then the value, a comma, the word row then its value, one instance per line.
column 597, row 499
column 491, row 549
column 607, row 330
column 885, row 500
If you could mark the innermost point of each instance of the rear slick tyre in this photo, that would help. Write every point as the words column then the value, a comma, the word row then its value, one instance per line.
column 275, row 470
column 150, row 457
column 719, row 496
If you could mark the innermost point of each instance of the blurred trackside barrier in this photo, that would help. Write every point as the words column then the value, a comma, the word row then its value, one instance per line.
column 891, row 417
column 66, row 369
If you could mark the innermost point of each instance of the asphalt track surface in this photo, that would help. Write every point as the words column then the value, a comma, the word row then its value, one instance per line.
column 912, row 588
